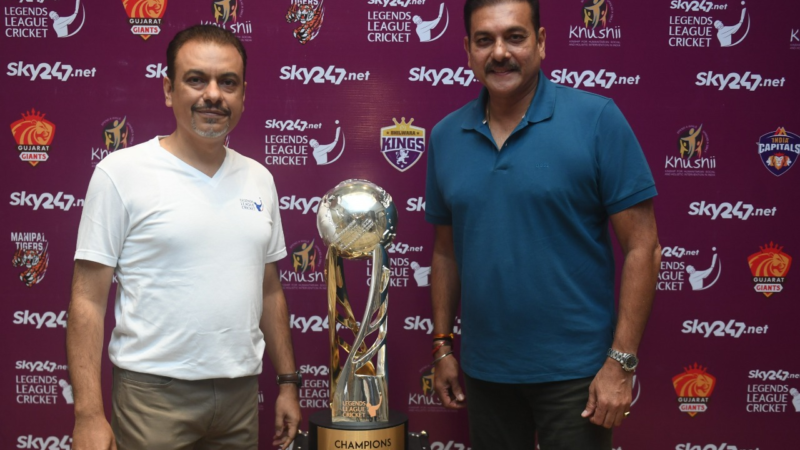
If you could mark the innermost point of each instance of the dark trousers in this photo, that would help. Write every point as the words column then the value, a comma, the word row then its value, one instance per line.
column 512, row 416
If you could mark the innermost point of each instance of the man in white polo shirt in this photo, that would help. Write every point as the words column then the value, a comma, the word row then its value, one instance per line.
column 192, row 231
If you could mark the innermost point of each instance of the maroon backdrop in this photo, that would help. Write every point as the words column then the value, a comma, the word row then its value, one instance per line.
column 714, row 109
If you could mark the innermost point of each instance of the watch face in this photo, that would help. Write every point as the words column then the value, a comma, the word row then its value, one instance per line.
column 631, row 362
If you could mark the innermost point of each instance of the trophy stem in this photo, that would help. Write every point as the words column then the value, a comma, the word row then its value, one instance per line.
column 358, row 388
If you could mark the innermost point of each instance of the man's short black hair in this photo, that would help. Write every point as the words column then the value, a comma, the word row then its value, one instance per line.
column 202, row 33
column 471, row 5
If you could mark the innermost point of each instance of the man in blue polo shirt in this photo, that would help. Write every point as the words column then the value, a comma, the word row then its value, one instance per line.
column 522, row 183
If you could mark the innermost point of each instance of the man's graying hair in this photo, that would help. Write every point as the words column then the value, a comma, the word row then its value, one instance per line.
column 202, row 33
column 470, row 6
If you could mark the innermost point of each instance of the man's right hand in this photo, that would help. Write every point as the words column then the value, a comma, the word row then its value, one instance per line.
column 93, row 433
column 445, row 382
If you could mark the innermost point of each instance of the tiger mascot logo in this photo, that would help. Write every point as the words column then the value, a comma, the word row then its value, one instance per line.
column 310, row 18
column 35, row 264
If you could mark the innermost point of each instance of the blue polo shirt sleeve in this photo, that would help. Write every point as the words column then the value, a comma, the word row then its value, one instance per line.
column 436, row 211
column 624, row 176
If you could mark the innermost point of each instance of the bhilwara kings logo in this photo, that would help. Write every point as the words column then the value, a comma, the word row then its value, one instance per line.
column 145, row 16
column 779, row 150
column 402, row 144
column 694, row 387
column 769, row 268
column 33, row 134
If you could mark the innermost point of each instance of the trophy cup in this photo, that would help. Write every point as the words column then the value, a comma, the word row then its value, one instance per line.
column 357, row 220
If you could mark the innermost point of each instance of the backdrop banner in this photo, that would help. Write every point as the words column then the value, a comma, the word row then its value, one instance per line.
column 352, row 89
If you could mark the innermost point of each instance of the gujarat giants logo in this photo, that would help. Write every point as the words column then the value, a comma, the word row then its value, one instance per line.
column 225, row 10
column 403, row 144
column 144, row 16
column 769, row 268
column 310, row 14
column 694, row 387
column 34, row 135
column 779, row 150
column 595, row 13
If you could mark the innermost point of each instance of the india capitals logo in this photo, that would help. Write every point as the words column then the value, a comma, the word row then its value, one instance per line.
column 779, row 150
column 117, row 134
column 145, row 16
column 402, row 144
column 769, row 268
column 310, row 14
column 33, row 134
column 694, row 387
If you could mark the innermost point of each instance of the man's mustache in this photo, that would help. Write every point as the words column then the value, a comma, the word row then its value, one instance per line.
column 507, row 65
column 211, row 109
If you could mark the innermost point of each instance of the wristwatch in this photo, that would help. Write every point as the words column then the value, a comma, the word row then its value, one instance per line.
column 290, row 378
column 629, row 361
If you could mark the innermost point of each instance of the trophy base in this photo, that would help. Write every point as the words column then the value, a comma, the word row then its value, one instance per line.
column 324, row 434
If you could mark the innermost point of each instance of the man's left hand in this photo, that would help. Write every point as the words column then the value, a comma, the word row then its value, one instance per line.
column 287, row 416
column 609, row 395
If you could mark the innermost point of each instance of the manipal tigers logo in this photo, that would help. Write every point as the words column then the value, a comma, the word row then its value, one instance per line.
column 694, row 387
column 34, row 264
column 33, row 134
column 145, row 16
column 310, row 14
column 769, row 268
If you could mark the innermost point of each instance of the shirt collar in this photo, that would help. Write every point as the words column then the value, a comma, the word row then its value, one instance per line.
column 541, row 108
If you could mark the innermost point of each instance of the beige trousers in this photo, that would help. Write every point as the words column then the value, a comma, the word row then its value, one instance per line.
column 159, row 413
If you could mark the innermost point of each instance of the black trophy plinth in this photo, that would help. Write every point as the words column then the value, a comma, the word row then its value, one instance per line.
column 324, row 434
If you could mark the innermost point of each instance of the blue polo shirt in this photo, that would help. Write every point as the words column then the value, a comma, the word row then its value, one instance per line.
column 530, row 230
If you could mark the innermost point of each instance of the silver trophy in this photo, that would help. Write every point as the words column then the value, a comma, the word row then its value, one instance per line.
column 357, row 219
